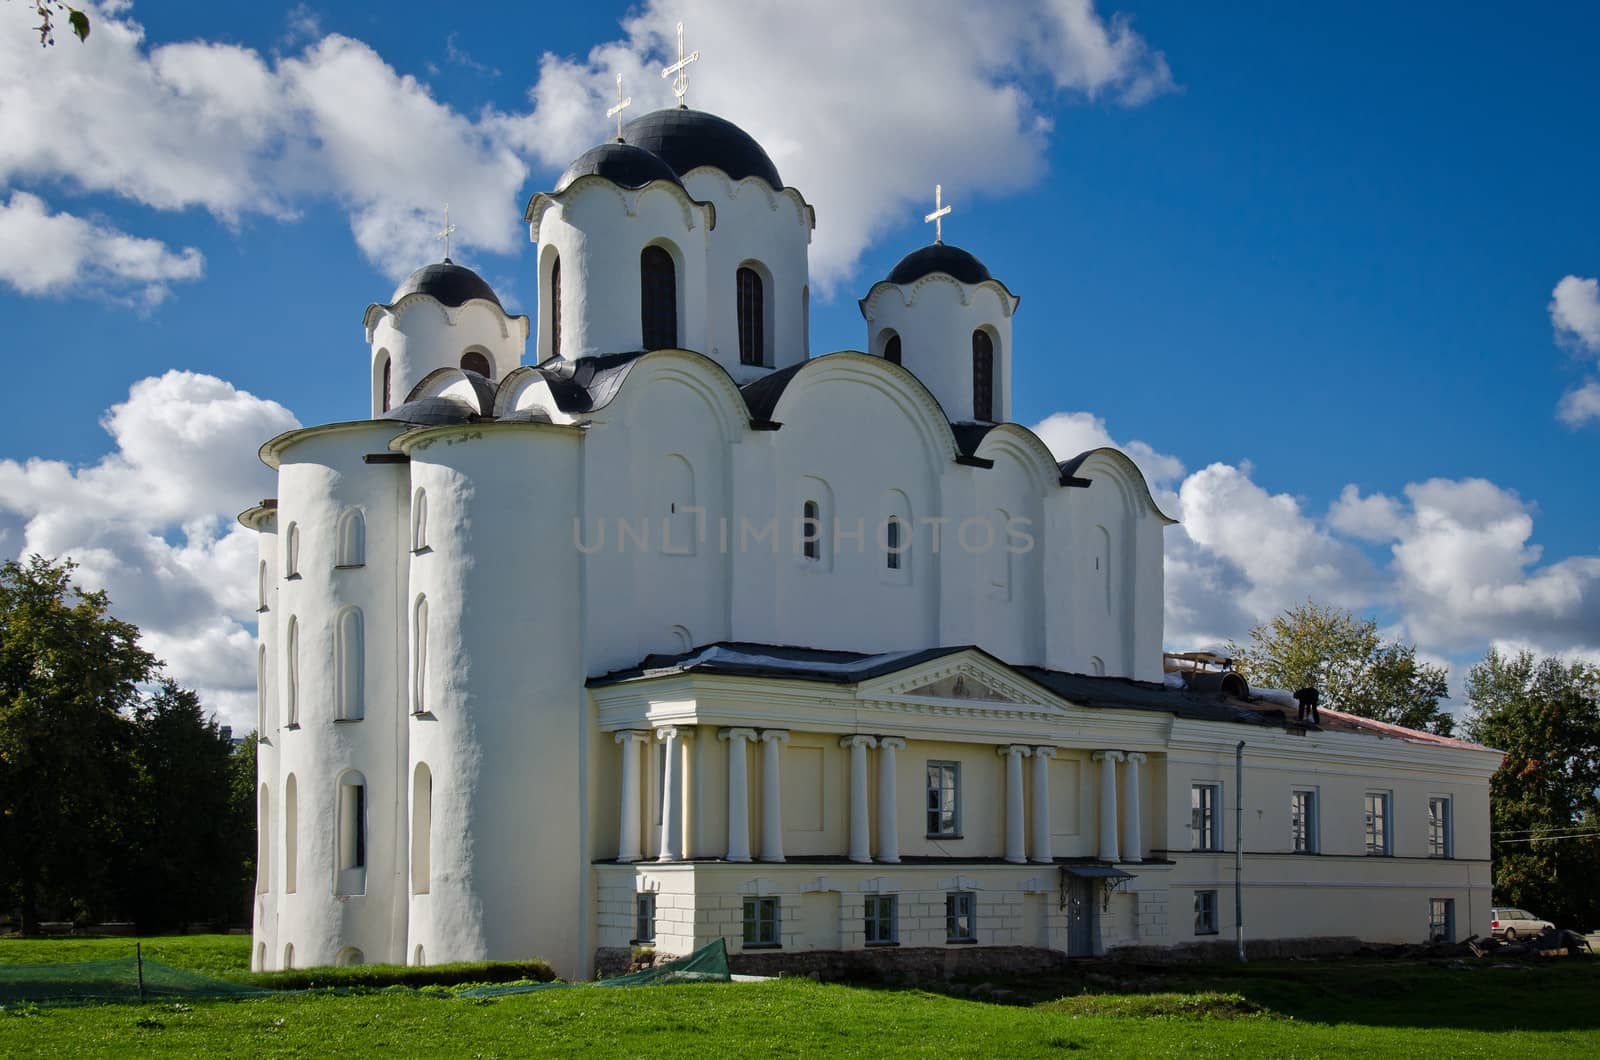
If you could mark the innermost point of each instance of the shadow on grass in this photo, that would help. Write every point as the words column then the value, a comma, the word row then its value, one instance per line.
column 1486, row 995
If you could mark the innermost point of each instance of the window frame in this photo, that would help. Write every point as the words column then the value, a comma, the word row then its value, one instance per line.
column 983, row 409
column 762, row 915
column 644, row 918
column 931, row 792
column 1378, row 831
column 1441, row 832
column 1304, row 838
column 1441, row 914
column 651, row 331
column 881, row 920
column 750, row 316
column 960, row 917
column 555, row 305
column 479, row 352
column 811, row 539
column 1205, row 832
column 1207, row 918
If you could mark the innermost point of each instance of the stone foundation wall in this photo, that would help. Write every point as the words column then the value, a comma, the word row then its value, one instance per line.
column 1227, row 950
column 903, row 962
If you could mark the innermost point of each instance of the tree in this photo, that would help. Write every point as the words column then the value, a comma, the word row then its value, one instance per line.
column 1341, row 654
column 1545, row 715
column 67, row 671
column 47, row 10
column 242, row 818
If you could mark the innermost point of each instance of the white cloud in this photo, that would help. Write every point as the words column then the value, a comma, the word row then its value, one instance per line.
column 1069, row 433
column 1376, row 518
column 954, row 89
column 56, row 253
column 152, row 524
column 1575, row 312
column 1581, row 405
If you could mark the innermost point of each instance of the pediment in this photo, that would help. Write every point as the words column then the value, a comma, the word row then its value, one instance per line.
column 969, row 677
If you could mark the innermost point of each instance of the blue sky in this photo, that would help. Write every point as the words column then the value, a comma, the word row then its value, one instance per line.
column 1291, row 249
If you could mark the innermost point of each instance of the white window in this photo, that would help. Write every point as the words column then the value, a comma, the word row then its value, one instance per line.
column 349, row 666
column 351, row 546
column 261, row 587
column 291, row 698
column 763, row 918
column 960, row 917
column 421, row 829
column 944, row 799
column 1205, row 912
column 419, row 521
column 291, row 835
column 1441, row 919
column 883, row 920
column 1303, row 821
column 352, row 835
column 1379, row 841
column 644, row 917
column 291, row 551
column 1204, row 824
column 419, row 655
column 1441, row 843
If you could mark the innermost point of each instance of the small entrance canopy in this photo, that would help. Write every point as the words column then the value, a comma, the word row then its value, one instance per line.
column 1097, row 872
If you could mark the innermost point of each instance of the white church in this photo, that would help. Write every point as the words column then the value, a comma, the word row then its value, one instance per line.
column 636, row 624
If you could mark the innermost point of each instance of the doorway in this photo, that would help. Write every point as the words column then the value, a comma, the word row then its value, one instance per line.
column 1080, row 917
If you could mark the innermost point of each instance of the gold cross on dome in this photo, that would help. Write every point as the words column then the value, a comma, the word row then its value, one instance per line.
column 444, row 233
column 680, row 84
column 622, row 104
column 938, row 214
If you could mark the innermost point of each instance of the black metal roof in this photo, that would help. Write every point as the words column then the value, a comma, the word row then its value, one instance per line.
column 685, row 139
column 432, row 412
column 622, row 164
column 451, row 284
column 587, row 383
column 761, row 396
column 939, row 257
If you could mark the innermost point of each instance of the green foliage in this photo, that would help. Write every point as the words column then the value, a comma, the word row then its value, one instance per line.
column 47, row 10
column 1341, row 654
column 383, row 975
column 1545, row 715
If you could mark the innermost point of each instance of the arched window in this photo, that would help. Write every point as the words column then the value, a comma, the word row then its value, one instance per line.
column 263, row 843
column 421, row 829
column 555, row 307
column 477, row 361
column 349, row 957
column 419, row 520
column 893, row 543
column 811, row 530
column 385, row 381
column 261, row 693
column 261, row 587
column 679, row 525
column 891, row 348
column 261, row 958
column 291, row 698
column 288, row 956
column 419, row 956
column 752, row 317
column 1100, row 543
column 291, row 838
column 351, row 547
column 419, row 654
column 349, row 666
column 291, row 552
column 1097, row 666
column 658, row 299
column 351, row 843
column 999, row 556
column 982, row 375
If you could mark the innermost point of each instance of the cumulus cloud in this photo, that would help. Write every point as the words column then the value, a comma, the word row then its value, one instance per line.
column 1070, row 433
column 1575, row 312
column 863, row 107
column 56, row 253
column 1581, row 405
column 152, row 523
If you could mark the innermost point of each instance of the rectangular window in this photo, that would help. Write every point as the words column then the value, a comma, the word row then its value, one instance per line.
column 1441, row 844
column 944, row 799
column 1303, row 821
column 1378, row 838
column 1441, row 919
column 644, row 918
column 1203, row 802
column 762, row 922
column 960, row 917
column 1205, row 912
column 882, row 919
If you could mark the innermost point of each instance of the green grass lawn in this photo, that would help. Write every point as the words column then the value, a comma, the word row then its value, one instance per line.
column 1304, row 1008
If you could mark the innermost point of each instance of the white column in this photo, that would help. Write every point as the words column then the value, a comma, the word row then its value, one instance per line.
column 1108, row 803
column 888, row 822
column 628, row 839
column 1016, row 828
column 738, row 792
column 1132, row 843
column 772, row 741
column 1041, row 804
column 860, row 819
column 672, row 793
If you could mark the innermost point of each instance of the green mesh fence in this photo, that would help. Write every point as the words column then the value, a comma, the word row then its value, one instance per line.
column 708, row 964
column 119, row 980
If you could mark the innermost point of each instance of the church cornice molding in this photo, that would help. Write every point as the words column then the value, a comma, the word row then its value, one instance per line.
column 1121, row 470
column 1029, row 450
column 628, row 198
column 273, row 449
column 804, row 212
column 421, row 439
column 909, row 293
column 377, row 311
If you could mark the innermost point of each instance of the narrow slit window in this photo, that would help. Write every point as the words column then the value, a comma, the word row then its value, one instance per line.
column 555, row 307
column 658, row 299
column 891, row 350
column 752, row 317
column 982, row 376
column 811, row 530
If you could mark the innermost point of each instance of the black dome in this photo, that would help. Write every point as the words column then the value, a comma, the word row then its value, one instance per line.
column 939, row 257
column 451, row 284
column 620, row 163
column 685, row 139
